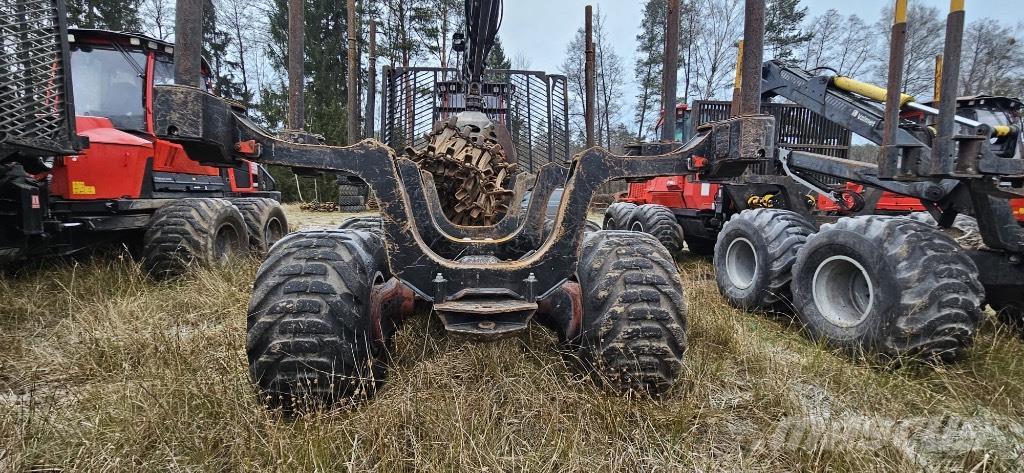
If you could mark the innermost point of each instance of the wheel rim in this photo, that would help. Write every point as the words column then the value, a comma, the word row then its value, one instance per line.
column 843, row 291
column 637, row 227
column 225, row 243
column 273, row 232
column 741, row 263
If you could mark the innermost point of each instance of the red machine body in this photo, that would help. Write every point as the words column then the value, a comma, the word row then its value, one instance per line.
column 113, row 77
column 687, row 196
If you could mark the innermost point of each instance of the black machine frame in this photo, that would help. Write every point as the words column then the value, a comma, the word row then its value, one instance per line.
column 434, row 258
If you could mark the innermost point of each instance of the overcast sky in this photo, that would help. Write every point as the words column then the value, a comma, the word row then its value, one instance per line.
column 540, row 29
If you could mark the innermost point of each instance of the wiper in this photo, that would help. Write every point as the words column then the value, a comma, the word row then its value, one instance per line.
column 128, row 58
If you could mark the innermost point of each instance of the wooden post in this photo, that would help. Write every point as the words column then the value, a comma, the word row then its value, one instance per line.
column 296, row 63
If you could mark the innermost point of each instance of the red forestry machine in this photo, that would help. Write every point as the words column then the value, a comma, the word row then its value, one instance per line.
column 81, row 164
column 869, row 283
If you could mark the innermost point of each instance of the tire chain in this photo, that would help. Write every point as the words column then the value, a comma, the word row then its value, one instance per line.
column 470, row 169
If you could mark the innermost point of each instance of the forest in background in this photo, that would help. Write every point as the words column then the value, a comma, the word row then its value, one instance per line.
column 245, row 43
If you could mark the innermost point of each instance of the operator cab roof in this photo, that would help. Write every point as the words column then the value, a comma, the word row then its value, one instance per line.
column 128, row 40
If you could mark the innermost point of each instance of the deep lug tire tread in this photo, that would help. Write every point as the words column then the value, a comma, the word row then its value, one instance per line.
column 936, row 289
column 634, row 315
column 659, row 221
column 311, row 341
column 783, row 233
column 617, row 216
column 183, row 233
column 258, row 212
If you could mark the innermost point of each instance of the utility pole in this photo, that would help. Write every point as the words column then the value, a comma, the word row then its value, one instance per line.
column 753, row 55
column 589, row 76
column 371, row 83
column 188, row 42
column 353, row 74
column 296, row 63
column 669, row 71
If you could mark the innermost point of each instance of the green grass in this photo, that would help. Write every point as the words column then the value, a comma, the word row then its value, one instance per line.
column 101, row 369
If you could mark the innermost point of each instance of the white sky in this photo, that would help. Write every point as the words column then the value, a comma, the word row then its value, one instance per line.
column 540, row 29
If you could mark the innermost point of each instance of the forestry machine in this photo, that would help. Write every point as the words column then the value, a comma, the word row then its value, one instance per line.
column 452, row 236
column 81, row 163
column 875, row 284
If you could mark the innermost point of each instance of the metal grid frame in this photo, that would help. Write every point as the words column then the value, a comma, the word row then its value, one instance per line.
column 533, row 106
column 796, row 128
column 36, row 104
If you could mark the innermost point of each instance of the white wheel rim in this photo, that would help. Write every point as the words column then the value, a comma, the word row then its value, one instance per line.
column 741, row 263
column 843, row 291
column 637, row 227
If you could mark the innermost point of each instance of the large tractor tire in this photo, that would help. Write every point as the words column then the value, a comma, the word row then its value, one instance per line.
column 633, row 333
column 265, row 221
column 659, row 221
column 754, row 256
column 617, row 216
column 311, row 338
column 187, row 232
column 887, row 286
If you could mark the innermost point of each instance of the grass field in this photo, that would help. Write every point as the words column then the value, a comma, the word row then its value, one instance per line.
column 101, row 369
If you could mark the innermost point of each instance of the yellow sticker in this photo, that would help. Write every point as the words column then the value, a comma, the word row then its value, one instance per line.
column 79, row 187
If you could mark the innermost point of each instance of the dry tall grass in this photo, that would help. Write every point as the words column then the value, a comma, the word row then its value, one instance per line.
column 101, row 369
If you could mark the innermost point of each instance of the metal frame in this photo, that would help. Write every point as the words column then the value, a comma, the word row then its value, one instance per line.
column 534, row 108
column 439, row 261
column 35, row 70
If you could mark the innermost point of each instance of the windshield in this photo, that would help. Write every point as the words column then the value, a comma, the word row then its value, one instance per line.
column 992, row 117
column 107, row 85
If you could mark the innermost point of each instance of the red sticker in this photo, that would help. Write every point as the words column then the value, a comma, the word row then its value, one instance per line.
column 35, row 202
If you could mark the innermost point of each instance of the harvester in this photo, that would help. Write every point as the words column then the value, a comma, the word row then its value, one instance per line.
column 81, row 164
column 452, row 236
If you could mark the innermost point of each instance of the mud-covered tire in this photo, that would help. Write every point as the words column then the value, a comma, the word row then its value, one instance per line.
column 311, row 339
column 633, row 333
column 700, row 246
column 754, row 256
column 372, row 223
column 351, row 208
column 889, row 287
column 187, row 232
column 265, row 221
column 659, row 221
column 617, row 216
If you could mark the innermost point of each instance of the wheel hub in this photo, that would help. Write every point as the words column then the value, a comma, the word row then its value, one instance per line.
column 843, row 291
column 741, row 263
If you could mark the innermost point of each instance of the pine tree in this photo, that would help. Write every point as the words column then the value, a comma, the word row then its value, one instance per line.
column 115, row 15
column 497, row 59
column 325, row 69
column 650, row 58
column 782, row 32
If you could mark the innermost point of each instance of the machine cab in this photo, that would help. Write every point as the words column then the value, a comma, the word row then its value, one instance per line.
column 113, row 75
column 684, row 125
